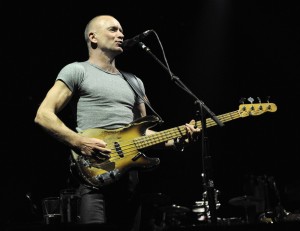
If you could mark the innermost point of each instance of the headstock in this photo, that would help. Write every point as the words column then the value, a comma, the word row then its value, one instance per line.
column 254, row 109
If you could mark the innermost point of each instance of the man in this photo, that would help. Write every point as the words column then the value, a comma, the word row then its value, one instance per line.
column 101, row 98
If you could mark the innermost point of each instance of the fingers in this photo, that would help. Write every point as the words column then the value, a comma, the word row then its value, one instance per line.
column 96, row 147
column 192, row 131
column 192, row 128
column 101, row 149
column 104, row 152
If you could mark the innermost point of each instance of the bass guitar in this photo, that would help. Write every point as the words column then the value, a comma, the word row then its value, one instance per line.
column 127, row 142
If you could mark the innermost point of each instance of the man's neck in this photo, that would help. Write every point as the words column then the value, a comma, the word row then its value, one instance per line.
column 104, row 63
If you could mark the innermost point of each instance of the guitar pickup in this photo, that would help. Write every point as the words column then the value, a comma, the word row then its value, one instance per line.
column 118, row 149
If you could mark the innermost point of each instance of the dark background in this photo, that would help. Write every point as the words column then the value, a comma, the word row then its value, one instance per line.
column 222, row 50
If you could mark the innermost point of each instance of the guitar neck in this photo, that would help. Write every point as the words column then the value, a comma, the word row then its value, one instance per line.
column 180, row 131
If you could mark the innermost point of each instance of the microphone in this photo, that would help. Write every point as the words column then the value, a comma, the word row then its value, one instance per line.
column 128, row 43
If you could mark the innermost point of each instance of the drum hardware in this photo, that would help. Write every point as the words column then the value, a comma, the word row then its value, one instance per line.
column 201, row 208
column 230, row 221
column 272, row 210
column 173, row 215
column 155, row 199
column 69, row 206
column 279, row 214
column 62, row 209
column 33, row 206
column 292, row 217
column 51, row 210
column 175, row 210
column 246, row 202
column 267, row 217
column 152, row 204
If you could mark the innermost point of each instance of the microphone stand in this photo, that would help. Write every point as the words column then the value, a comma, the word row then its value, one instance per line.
column 208, row 183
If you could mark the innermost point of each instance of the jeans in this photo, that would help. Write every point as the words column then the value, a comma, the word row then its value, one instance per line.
column 116, row 205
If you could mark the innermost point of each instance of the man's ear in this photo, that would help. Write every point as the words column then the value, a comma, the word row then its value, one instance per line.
column 93, row 39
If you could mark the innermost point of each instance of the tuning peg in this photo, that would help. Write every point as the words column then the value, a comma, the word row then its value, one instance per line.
column 250, row 99
column 268, row 100
column 260, row 106
column 259, row 100
column 242, row 100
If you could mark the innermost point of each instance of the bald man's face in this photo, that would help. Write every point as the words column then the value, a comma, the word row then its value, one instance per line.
column 107, row 33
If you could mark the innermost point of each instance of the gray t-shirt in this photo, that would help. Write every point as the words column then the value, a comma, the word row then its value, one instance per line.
column 101, row 99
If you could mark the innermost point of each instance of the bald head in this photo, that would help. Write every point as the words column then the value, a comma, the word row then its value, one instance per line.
column 99, row 21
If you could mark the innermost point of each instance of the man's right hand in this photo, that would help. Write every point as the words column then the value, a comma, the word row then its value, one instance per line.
column 94, row 147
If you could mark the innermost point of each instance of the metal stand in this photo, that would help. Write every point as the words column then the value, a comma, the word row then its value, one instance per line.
column 206, row 158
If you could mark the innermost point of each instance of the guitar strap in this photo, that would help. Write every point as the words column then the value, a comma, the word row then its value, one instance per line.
column 135, row 85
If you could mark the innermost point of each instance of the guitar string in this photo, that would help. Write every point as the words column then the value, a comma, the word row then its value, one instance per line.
column 165, row 135
column 129, row 147
column 133, row 144
column 174, row 132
